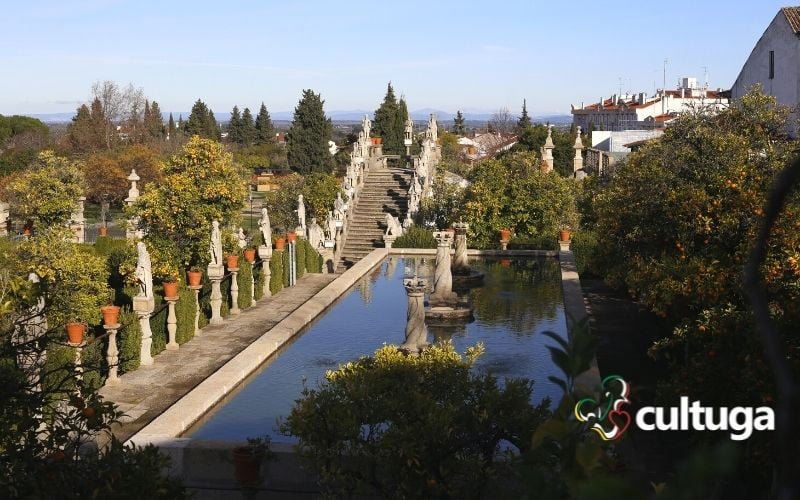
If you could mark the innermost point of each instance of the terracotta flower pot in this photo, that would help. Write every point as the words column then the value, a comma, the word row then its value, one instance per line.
column 505, row 262
column 291, row 236
column 103, row 231
column 110, row 315
column 232, row 261
column 247, row 465
column 195, row 277
column 75, row 332
column 377, row 141
column 170, row 289
column 250, row 255
column 563, row 235
column 505, row 234
column 280, row 244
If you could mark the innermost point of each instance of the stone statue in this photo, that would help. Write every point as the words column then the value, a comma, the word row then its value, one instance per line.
column 393, row 226
column 241, row 238
column 338, row 203
column 331, row 225
column 433, row 128
column 409, row 130
column 215, row 247
column 144, row 271
column 301, row 212
column 315, row 234
column 265, row 227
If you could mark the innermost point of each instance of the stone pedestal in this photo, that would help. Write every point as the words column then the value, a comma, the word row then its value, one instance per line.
column 215, row 275
column 143, row 307
column 112, row 355
column 443, row 277
column 265, row 253
column 388, row 240
column 460, row 257
column 564, row 245
column 416, row 331
column 328, row 256
column 504, row 245
column 234, row 290
column 172, row 324
column 196, row 289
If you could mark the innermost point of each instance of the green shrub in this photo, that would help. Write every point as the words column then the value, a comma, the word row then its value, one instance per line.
column 185, row 310
column 129, row 341
column 300, row 257
column 286, row 268
column 415, row 237
column 106, row 245
column 244, row 279
column 584, row 246
column 158, row 325
column 258, row 274
column 526, row 242
column 276, row 272
column 313, row 260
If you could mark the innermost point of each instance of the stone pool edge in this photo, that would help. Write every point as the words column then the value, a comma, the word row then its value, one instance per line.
column 188, row 409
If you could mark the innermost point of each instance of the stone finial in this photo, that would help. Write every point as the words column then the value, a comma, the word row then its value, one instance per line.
column 416, row 333
column 577, row 162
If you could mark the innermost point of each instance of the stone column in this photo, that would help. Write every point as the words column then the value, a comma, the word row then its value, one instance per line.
column 265, row 252
column 215, row 274
column 143, row 307
column 442, row 276
column 234, row 290
column 172, row 323
column 112, row 354
column 460, row 257
column 416, row 331
column 577, row 162
column 78, row 223
column 252, row 284
column 196, row 289
column 548, row 148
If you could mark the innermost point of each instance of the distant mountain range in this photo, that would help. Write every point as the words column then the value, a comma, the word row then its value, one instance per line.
column 340, row 116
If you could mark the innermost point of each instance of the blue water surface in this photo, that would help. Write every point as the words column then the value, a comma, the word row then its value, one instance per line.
column 519, row 300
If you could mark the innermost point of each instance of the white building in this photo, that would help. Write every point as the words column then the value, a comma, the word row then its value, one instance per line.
column 775, row 60
column 635, row 112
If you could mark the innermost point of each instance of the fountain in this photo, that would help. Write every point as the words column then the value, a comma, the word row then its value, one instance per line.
column 445, row 305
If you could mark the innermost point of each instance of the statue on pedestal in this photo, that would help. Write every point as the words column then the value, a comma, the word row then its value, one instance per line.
column 215, row 247
column 265, row 227
column 301, row 212
column 315, row 234
column 144, row 271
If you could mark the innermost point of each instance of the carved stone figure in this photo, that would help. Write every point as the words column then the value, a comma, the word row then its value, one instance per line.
column 241, row 239
column 331, row 226
column 301, row 212
column 144, row 271
column 265, row 227
column 393, row 227
column 215, row 247
column 315, row 234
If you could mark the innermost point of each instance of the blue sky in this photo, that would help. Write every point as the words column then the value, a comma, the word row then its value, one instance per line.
column 439, row 53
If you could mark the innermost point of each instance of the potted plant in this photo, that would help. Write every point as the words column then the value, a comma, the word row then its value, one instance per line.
column 564, row 234
column 280, row 244
column 247, row 460
column 250, row 255
column 110, row 311
column 377, row 141
column 291, row 236
column 505, row 234
column 75, row 332
column 103, row 231
column 230, row 247
column 194, row 276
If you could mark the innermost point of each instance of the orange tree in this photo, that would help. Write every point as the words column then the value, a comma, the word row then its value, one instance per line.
column 675, row 225
column 199, row 185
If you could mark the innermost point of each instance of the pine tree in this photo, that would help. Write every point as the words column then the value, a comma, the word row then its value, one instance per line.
column 81, row 133
column 524, row 120
column 265, row 132
column 212, row 125
column 235, row 126
column 181, row 125
column 400, row 121
column 307, row 139
column 248, row 127
column 197, row 124
column 458, row 124
column 153, row 121
column 386, row 126
column 171, row 128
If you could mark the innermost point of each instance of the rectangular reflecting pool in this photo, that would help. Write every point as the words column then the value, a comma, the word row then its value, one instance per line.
column 519, row 299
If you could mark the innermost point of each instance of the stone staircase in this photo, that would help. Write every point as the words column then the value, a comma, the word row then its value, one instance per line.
column 384, row 190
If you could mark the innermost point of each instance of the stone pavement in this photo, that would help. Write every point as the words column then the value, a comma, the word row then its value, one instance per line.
column 145, row 393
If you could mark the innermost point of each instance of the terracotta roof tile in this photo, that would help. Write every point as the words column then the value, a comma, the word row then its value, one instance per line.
column 793, row 17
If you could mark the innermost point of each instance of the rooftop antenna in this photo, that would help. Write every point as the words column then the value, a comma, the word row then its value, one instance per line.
column 705, row 77
column 620, row 87
column 664, row 88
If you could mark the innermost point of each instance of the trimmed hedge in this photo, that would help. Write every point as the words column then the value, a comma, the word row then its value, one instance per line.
column 258, row 273
column 184, row 311
column 415, row 237
column 276, row 272
column 129, row 341
column 244, row 280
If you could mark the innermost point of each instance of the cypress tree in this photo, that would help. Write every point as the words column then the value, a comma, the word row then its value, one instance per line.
column 458, row 124
column 307, row 139
column 265, row 132
column 212, row 126
column 524, row 120
column 248, row 129
column 235, row 126
column 197, row 124
column 171, row 127
column 153, row 121
column 386, row 126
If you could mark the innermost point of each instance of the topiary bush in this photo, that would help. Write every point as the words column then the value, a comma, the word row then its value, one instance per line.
column 286, row 268
column 258, row 274
column 244, row 280
column 276, row 272
column 185, row 310
column 300, row 257
column 129, row 340
column 415, row 237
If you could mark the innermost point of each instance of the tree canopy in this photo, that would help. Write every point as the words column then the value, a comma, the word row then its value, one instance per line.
column 458, row 124
column 202, row 122
column 265, row 132
column 307, row 139
column 389, row 122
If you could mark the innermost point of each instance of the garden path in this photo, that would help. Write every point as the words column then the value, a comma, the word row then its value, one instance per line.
column 145, row 393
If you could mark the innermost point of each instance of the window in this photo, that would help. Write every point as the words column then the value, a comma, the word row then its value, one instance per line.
column 771, row 64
